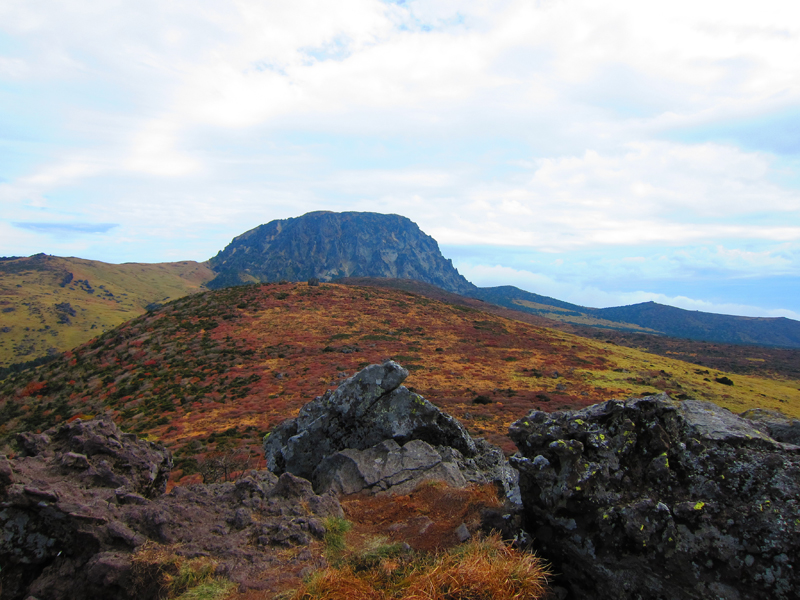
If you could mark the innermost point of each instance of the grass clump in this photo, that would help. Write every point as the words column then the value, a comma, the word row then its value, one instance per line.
column 159, row 570
column 334, row 540
column 214, row 589
column 485, row 569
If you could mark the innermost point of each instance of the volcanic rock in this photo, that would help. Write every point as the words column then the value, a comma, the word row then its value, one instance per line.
column 655, row 499
column 385, row 465
column 84, row 496
column 371, row 433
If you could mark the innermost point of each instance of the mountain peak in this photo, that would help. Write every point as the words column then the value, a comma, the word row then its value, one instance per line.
column 329, row 245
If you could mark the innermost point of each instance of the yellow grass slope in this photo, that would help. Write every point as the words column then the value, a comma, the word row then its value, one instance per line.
column 50, row 304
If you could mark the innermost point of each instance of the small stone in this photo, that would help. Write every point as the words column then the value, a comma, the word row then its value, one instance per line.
column 540, row 462
column 242, row 518
column 74, row 460
column 462, row 533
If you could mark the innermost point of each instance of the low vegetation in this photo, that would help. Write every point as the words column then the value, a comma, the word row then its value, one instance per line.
column 482, row 569
column 404, row 547
column 213, row 372
column 159, row 570
column 50, row 304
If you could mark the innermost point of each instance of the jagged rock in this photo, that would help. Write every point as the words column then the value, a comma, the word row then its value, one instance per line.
column 366, row 409
column 488, row 465
column 358, row 436
column 655, row 499
column 103, row 455
column 73, row 511
column 775, row 424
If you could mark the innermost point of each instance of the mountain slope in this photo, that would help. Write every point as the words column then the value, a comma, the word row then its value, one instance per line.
column 696, row 325
column 328, row 245
column 651, row 317
column 776, row 362
column 214, row 370
column 50, row 304
column 550, row 308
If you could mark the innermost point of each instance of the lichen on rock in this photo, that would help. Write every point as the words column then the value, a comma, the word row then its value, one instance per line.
column 651, row 498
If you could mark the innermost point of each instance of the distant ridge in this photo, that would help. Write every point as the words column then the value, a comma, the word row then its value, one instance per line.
column 653, row 318
column 697, row 325
column 328, row 245
column 49, row 304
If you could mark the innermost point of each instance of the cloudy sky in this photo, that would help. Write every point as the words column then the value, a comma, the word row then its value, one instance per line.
column 602, row 152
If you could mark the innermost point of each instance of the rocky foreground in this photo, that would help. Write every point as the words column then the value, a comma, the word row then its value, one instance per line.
column 655, row 499
column 640, row 499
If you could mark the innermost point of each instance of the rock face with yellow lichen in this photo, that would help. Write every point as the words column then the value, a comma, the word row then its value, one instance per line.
column 656, row 499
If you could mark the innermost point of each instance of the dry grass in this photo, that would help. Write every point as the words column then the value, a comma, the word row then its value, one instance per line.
column 158, row 569
column 485, row 569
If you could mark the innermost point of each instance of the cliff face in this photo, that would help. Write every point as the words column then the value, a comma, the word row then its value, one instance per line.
column 329, row 245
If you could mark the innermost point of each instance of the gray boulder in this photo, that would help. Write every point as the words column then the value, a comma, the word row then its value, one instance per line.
column 389, row 466
column 655, row 499
column 366, row 409
column 359, row 438
column 386, row 465
column 775, row 424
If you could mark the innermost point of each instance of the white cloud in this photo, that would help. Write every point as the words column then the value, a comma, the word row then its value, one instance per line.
column 655, row 192
column 154, row 152
column 503, row 123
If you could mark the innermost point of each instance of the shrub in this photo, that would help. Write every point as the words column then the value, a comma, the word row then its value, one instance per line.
column 218, row 467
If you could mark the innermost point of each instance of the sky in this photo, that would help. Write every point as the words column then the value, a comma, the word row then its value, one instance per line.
column 600, row 152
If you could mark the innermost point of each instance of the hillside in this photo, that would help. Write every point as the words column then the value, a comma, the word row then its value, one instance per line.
column 651, row 317
column 328, row 245
column 550, row 308
column 215, row 370
column 50, row 304
column 780, row 363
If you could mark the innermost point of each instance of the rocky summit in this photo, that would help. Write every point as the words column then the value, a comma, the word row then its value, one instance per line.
column 656, row 499
column 327, row 245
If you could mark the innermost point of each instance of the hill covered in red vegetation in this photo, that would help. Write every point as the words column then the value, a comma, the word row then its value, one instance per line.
column 215, row 371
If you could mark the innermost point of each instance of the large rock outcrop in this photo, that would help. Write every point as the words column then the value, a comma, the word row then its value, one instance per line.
column 328, row 245
column 84, row 496
column 655, row 499
column 373, row 434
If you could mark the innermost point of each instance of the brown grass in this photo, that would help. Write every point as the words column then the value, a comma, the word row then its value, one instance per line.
column 157, row 569
column 485, row 569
